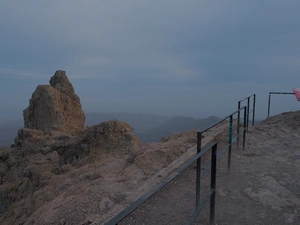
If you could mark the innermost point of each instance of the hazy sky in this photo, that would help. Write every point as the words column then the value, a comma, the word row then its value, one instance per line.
column 167, row 57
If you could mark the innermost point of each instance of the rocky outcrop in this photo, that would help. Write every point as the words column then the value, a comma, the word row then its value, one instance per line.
column 113, row 136
column 30, row 138
column 55, row 107
column 53, row 110
column 37, row 179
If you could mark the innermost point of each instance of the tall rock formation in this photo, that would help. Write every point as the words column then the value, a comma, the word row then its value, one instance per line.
column 55, row 107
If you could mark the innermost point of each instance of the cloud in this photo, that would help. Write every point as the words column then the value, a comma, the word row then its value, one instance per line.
column 147, row 49
column 21, row 73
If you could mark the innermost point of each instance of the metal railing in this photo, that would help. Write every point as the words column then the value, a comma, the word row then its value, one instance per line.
column 199, row 174
column 228, row 147
column 276, row 93
column 248, row 108
column 211, row 196
column 212, row 193
column 248, row 113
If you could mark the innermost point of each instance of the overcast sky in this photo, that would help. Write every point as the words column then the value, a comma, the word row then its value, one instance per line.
column 166, row 57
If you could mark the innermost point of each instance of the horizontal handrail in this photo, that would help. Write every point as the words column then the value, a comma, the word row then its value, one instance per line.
column 247, row 98
column 223, row 119
column 283, row 93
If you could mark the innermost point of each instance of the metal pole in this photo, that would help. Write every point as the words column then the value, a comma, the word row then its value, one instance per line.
column 269, row 105
column 213, row 182
column 230, row 141
column 238, row 123
column 253, row 117
column 248, row 110
column 198, row 170
column 245, row 125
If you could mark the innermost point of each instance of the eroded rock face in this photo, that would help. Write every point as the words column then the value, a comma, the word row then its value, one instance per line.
column 30, row 138
column 113, row 136
column 55, row 107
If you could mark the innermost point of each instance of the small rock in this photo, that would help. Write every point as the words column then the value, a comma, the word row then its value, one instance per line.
column 106, row 204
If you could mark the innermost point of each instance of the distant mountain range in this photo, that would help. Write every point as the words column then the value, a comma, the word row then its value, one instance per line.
column 147, row 127
column 139, row 121
column 175, row 125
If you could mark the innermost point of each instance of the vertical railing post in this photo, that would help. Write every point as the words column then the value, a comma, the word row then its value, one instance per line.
column 269, row 105
column 248, row 111
column 245, row 127
column 198, row 172
column 238, row 123
column 213, row 182
column 253, row 116
column 230, row 141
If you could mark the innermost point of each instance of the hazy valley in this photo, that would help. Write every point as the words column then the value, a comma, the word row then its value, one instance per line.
column 147, row 127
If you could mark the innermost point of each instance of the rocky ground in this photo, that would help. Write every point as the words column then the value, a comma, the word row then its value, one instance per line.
column 86, row 178
column 262, row 186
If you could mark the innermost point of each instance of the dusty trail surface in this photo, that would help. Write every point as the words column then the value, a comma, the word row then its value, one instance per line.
column 262, row 187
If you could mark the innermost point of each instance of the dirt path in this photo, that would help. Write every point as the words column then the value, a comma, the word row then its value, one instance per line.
column 263, row 186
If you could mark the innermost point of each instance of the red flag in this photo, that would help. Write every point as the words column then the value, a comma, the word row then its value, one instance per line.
column 297, row 93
